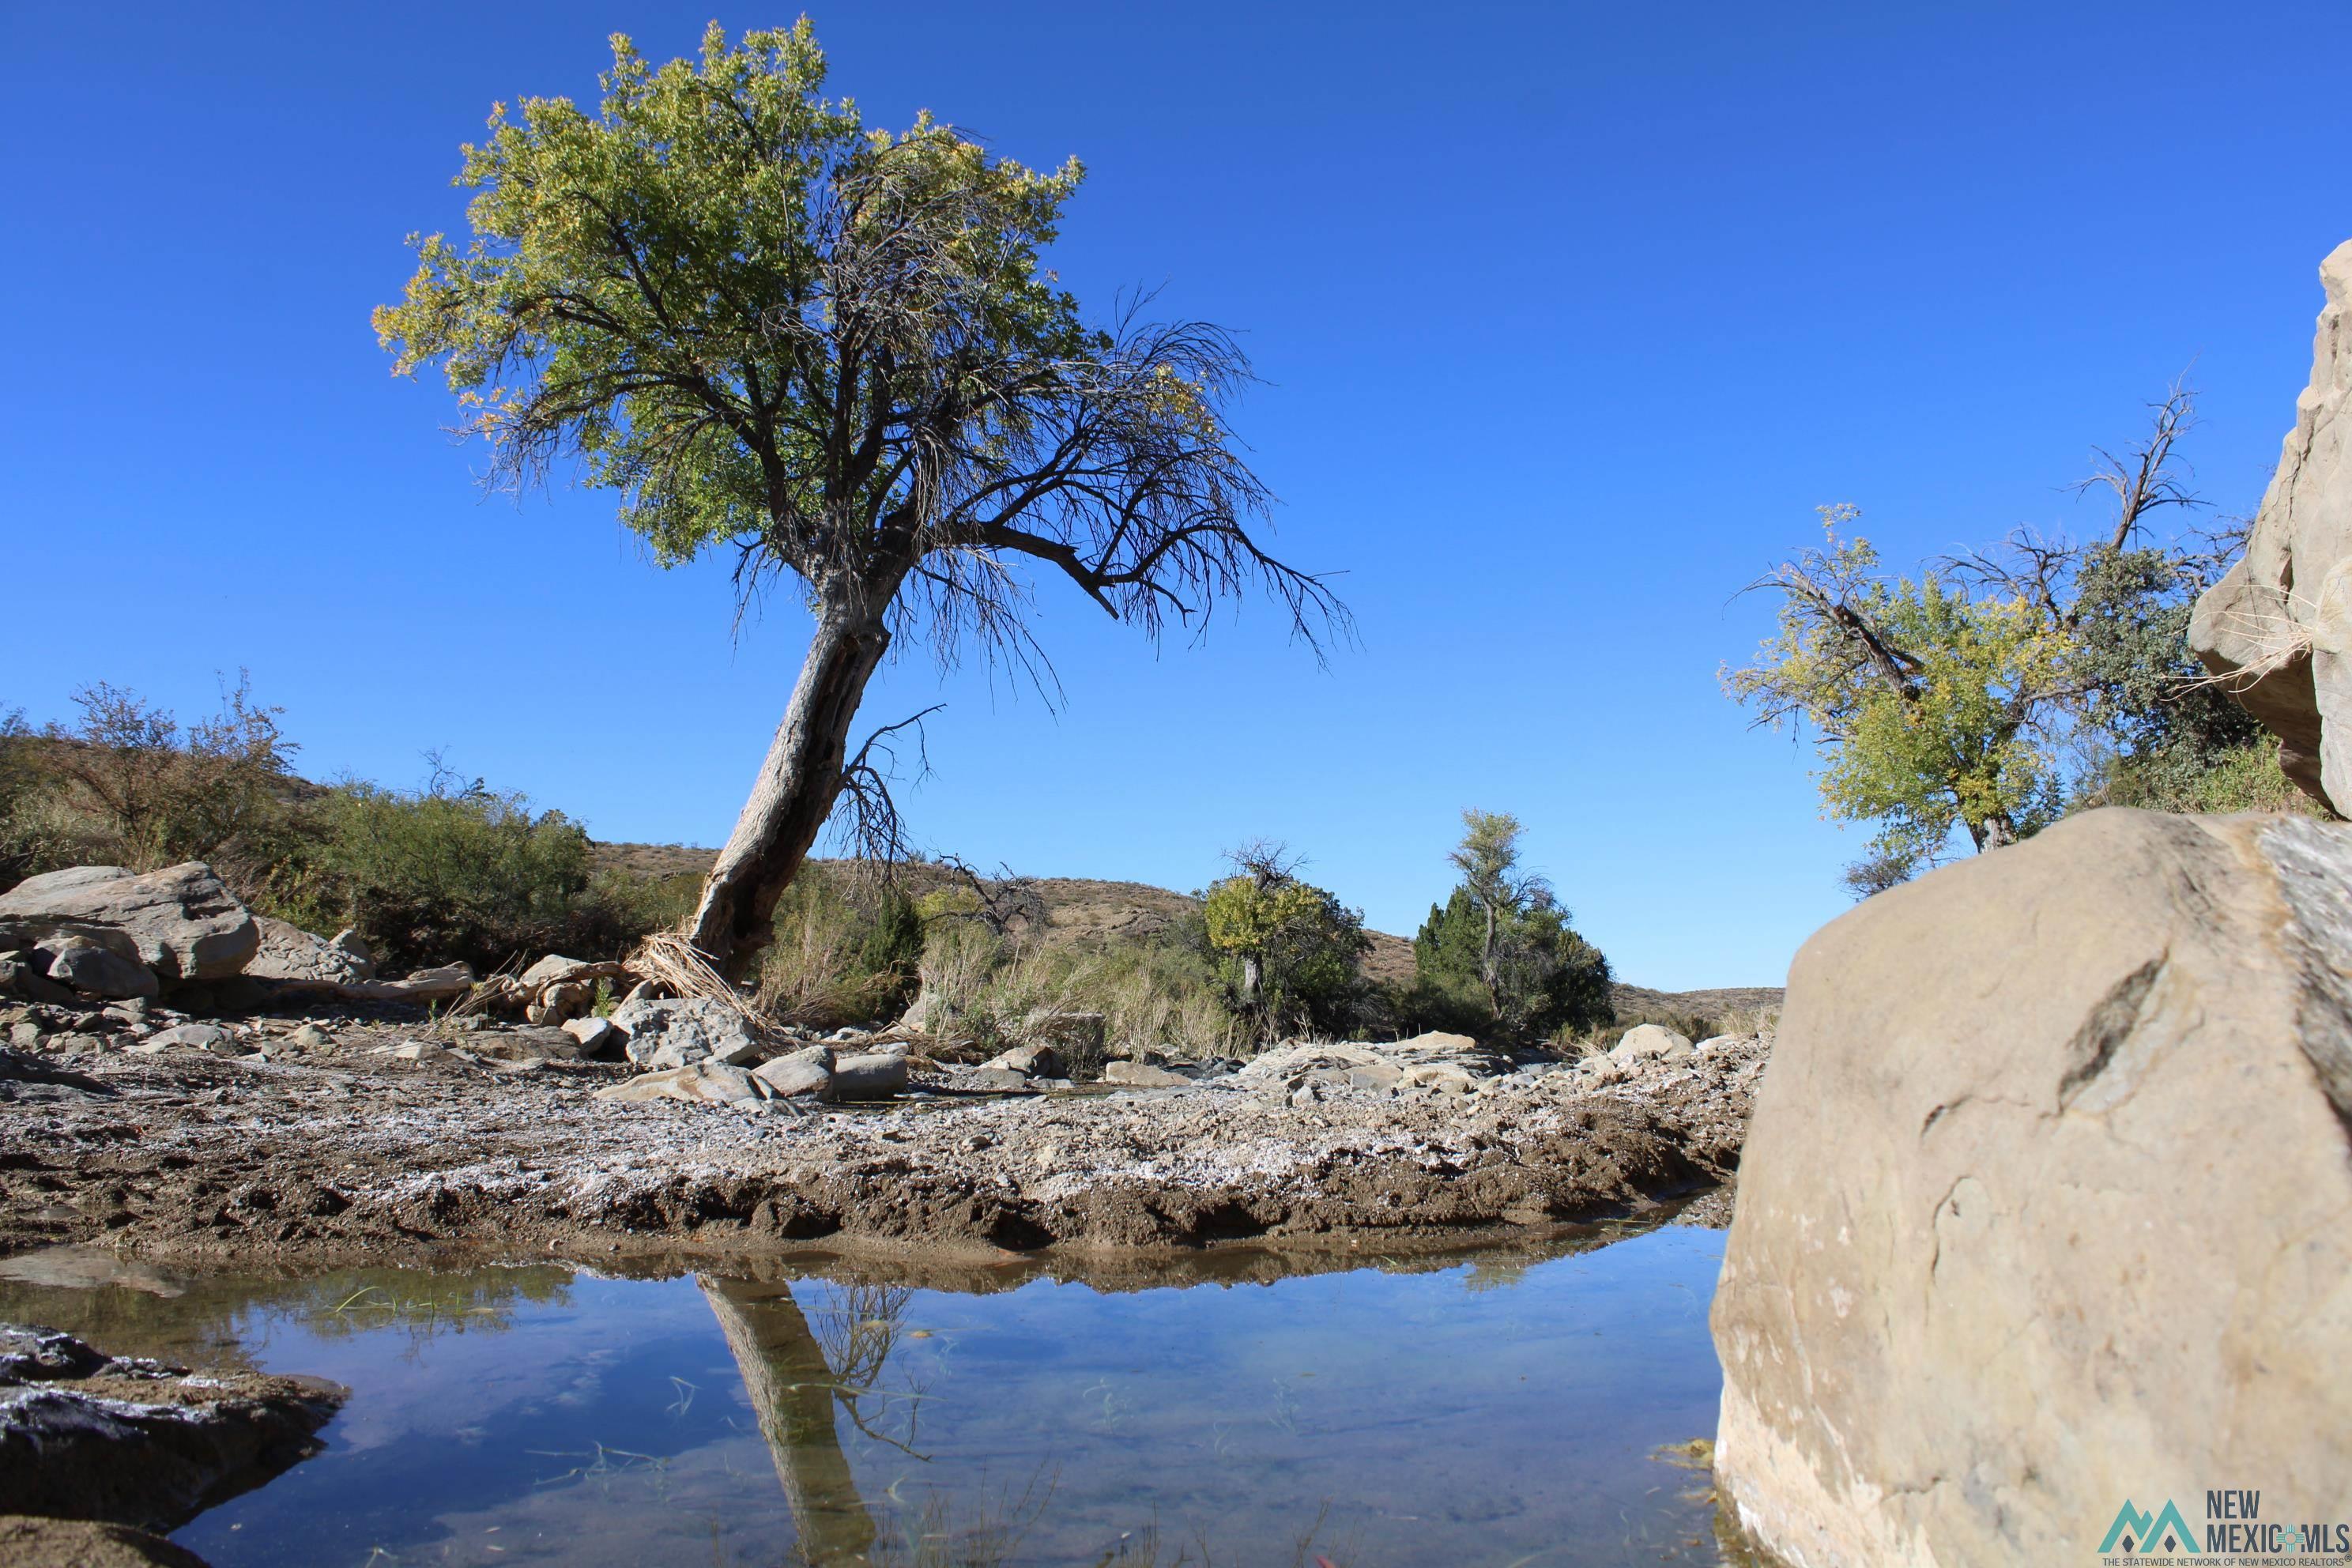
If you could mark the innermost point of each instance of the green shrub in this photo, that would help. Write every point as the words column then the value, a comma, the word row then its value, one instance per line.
column 990, row 991
column 1288, row 953
column 127, row 785
column 846, row 951
column 2238, row 778
column 437, row 875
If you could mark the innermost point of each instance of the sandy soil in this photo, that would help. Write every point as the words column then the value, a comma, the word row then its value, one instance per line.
column 332, row 1153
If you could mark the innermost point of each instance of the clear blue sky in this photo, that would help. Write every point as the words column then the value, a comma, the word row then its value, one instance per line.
column 1570, row 315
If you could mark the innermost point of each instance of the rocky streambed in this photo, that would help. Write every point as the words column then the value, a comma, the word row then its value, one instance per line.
column 330, row 1139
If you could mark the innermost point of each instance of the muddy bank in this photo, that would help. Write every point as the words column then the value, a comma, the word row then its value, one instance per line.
column 335, row 1151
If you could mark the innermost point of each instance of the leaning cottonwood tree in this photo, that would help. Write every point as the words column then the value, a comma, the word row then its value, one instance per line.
column 836, row 352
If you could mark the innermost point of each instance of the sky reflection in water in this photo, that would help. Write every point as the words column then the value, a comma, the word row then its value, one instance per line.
column 1498, row 1407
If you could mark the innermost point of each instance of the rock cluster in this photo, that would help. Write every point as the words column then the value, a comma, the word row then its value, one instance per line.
column 110, row 934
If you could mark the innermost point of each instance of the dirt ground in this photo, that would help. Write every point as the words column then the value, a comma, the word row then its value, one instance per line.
column 328, row 1150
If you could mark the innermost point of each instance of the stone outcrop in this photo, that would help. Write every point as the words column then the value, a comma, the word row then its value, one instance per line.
column 2280, row 623
column 2047, row 1202
column 182, row 921
column 1649, row 1040
column 1448, row 1063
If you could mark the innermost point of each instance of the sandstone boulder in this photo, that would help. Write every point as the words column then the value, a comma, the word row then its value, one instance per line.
column 871, row 1075
column 2281, row 620
column 555, row 969
column 597, row 1036
column 1031, row 1061
column 444, row 984
column 706, row 1083
column 804, row 1073
column 1136, row 1075
column 182, row 921
column 193, row 1038
column 2044, row 1204
column 88, row 1436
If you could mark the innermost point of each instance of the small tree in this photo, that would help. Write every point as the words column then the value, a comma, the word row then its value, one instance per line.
column 1998, row 689
column 1292, row 951
column 835, row 352
column 1500, row 951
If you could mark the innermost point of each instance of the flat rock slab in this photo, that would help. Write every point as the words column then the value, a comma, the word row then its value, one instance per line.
column 129, row 1441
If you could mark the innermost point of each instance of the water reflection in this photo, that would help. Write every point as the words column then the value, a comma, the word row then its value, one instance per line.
column 1498, row 1406
column 793, row 1387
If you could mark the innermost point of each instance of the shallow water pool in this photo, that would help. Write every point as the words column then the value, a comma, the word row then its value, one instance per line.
column 1502, row 1406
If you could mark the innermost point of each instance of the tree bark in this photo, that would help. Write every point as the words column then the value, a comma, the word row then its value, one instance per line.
column 798, row 783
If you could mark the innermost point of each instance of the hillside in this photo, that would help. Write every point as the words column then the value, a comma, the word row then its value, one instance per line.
column 1081, row 911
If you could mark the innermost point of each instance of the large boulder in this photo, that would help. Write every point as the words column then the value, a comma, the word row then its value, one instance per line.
column 83, row 965
column 1646, row 1040
column 872, row 1075
column 2279, row 624
column 2045, row 1203
column 182, row 921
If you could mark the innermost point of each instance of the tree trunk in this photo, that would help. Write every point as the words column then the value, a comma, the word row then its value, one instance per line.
column 1487, row 970
column 797, row 785
column 1250, row 976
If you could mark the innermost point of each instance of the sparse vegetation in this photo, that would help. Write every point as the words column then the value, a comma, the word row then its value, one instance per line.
column 451, row 871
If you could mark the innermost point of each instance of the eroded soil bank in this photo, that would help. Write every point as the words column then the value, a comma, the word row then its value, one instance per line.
column 336, row 1152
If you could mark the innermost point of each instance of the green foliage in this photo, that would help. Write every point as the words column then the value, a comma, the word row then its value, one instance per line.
column 1288, row 952
column 2184, row 777
column 1499, row 954
column 2011, row 685
column 636, row 276
column 1933, row 707
column 440, row 874
column 1551, row 980
column 990, row 990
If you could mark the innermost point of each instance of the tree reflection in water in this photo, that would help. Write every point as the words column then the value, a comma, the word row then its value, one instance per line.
column 797, row 1376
